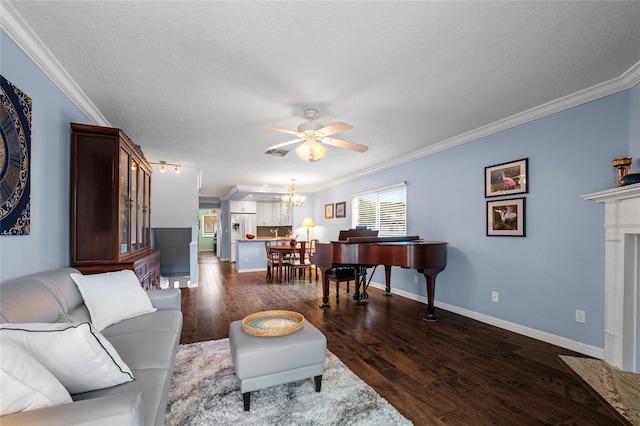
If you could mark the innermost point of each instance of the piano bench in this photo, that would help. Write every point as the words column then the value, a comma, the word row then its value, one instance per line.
column 262, row 362
column 341, row 275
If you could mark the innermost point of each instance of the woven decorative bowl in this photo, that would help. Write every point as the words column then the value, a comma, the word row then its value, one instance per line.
column 272, row 323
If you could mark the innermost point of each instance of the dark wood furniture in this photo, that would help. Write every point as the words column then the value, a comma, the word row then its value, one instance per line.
column 362, row 252
column 300, row 263
column 110, row 211
column 283, row 255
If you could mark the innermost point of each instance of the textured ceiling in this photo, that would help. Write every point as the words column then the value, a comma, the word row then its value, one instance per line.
column 193, row 82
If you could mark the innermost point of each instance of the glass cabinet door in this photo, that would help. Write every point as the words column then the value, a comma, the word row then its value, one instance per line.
column 141, row 208
column 135, row 207
column 146, row 209
column 124, row 202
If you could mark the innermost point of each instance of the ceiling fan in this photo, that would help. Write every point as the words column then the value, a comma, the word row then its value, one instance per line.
column 311, row 134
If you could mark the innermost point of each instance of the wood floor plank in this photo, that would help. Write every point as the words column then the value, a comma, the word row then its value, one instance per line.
column 456, row 371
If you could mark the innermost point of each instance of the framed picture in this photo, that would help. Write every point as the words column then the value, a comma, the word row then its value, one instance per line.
column 328, row 211
column 506, row 178
column 505, row 218
column 341, row 209
column 209, row 222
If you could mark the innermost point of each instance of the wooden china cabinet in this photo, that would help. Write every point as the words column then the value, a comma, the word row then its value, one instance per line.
column 111, row 198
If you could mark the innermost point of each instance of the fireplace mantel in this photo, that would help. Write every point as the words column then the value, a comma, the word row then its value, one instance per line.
column 622, row 272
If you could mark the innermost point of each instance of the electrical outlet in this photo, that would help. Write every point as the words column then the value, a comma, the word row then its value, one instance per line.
column 246, row 260
column 581, row 316
column 416, row 279
column 494, row 296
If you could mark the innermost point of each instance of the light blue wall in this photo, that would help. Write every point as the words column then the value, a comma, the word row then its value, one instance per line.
column 48, row 245
column 559, row 266
column 223, row 218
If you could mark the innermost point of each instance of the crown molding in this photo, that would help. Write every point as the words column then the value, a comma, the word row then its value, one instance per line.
column 628, row 79
column 21, row 33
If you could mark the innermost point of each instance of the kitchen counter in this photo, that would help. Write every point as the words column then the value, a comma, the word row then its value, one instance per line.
column 251, row 255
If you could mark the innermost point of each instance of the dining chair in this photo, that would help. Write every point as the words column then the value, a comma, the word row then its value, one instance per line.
column 311, row 251
column 274, row 262
column 270, row 266
column 300, row 261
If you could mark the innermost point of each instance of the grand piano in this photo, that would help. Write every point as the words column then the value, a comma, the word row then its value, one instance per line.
column 359, row 249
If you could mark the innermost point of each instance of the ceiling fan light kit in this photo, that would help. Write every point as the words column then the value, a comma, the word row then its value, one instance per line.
column 311, row 134
column 311, row 151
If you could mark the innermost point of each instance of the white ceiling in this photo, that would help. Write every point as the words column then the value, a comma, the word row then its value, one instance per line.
column 192, row 82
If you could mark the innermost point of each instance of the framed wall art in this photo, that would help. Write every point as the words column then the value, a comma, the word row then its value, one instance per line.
column 341, row 209
column 506, row 178
column 505, row 218
column 209, row 222
column 15, row 160
column 328, row 211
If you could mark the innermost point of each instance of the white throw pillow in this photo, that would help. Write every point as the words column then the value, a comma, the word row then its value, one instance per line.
column 25, row 384
column 78, row 355
column 112, row 297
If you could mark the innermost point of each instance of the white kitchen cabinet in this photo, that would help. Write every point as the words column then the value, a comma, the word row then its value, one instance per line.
column 275, row 213
column 265, row 213
column 242, row 206
column 285, row 215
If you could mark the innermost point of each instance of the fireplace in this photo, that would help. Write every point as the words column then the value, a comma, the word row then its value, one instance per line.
column 621, row 275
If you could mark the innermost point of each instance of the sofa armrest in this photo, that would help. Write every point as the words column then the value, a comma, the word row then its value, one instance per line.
column 118, row 409
column 165, row 299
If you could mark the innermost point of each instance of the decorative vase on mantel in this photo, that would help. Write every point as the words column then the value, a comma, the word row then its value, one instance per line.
column 621, row 166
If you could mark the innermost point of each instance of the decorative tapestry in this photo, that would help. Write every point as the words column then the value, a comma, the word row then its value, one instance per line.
column 15, row 147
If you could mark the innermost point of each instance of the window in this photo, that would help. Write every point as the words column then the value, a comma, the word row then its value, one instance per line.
column 384, row 210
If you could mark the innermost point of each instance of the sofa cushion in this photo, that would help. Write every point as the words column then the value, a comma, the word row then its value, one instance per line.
column 155, row 321
column 76, row 354
column 112, row 297
column 27, row 300
column 147, row 350
column 25, row 384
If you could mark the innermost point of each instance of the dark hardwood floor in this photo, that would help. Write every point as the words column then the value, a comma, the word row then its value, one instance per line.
column 456, row 371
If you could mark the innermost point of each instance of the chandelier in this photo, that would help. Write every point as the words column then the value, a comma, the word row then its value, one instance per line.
column 292, row 199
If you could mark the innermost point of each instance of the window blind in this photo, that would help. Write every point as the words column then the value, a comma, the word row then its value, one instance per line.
column 384, row 210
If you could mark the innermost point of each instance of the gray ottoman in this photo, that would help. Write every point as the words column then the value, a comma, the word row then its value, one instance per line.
column 261, row 362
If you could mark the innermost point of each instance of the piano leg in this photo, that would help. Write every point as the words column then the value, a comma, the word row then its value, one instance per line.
column 387, row 279
column 430, row 276
column 325, row 290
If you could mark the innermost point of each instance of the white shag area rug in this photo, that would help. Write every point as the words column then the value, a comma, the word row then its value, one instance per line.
column 205, row 391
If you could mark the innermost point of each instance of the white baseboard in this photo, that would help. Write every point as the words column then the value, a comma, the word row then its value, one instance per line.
column 251, row 270
column 563, row 342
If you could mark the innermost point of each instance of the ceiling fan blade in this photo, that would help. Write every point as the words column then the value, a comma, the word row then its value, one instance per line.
column 335, row 128
column 278, row 129
column 344, row 144
column 281, row 145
